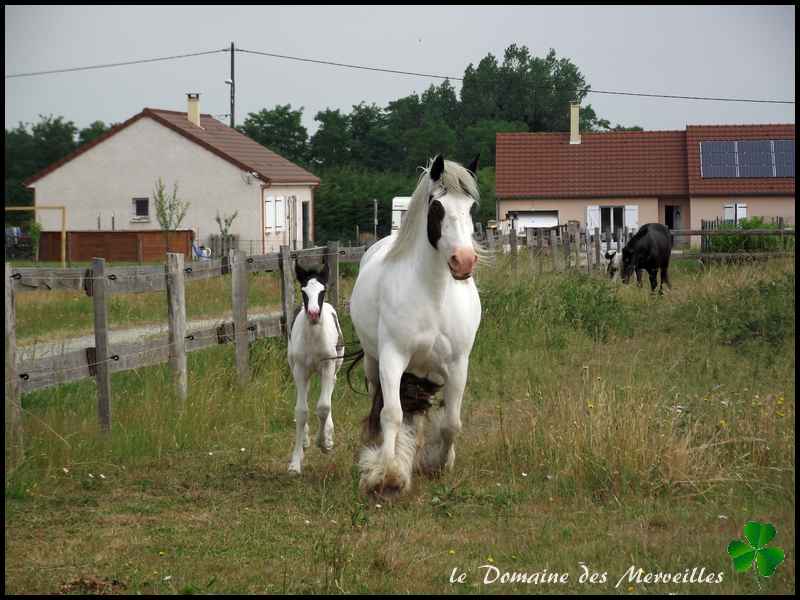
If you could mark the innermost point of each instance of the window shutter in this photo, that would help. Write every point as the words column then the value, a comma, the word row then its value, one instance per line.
column 632, row 216
column 592, row 217
column 280, row 213
column 729, row 212
column 269, row 212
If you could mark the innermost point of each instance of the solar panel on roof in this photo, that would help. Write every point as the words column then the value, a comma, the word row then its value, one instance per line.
column 755, row 158
column 747, row 158
column 718, row 159
column 784, row 158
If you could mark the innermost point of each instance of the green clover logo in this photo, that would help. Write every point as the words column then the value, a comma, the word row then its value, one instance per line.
column 745, row 553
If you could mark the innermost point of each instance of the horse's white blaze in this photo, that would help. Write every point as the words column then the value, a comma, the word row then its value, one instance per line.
column 311, row 346
column 312, row 290
column 412, row 315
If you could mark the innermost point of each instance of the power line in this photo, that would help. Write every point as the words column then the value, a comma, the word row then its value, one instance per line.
column 380, row 70
column 349, row 66
column 119, row 64
column 585, row 90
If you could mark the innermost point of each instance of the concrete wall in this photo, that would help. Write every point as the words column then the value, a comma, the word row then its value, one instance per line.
column 575, row 210
column 104, row 180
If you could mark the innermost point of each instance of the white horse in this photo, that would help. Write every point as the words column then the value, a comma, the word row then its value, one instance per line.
column 315, row 346
column 416, row 310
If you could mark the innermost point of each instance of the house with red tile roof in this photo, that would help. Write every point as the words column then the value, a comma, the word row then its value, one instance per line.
column 623, row 179
column 108, row 184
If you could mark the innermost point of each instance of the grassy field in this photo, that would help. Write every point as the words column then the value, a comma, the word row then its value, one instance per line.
column 603, row 427
column 48, row 315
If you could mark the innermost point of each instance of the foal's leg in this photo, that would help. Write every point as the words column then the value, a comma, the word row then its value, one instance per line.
column 301, row 381
column 639, row 277
column 327, row 380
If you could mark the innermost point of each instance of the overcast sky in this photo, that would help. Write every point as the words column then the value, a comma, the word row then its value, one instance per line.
column 723, row 51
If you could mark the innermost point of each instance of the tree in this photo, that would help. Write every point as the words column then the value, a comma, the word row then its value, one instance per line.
column 170, row 211
column 481, row 137
column 281, row 130
column 92, row 132
column 29, row 149
column 330, row 145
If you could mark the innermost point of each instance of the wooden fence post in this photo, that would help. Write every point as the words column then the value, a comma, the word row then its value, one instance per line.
column 176, row 311
column 588, row 239
column 597, row 247
column 101, row 345
column 512, row 245
column 552, row 239
column 14, row 448
column 240, row 332
column 540, row 248
column 333, row 273
column 565, row 240
column 619, row 240
column 287, row 289
column 529, row 243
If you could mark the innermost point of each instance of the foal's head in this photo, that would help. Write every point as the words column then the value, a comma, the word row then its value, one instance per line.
column 452, row 195
column 613, row 264
column 313, row 283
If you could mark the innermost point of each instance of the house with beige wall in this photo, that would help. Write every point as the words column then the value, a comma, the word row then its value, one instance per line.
column 108, row 184
column 623, row 179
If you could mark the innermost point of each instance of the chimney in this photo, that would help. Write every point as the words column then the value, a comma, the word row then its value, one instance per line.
column 574, row 122
column 193, row 108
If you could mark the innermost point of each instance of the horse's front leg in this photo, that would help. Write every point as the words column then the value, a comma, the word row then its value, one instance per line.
column 327, row 382
column 302, row 376
column 387, row 469
column 440, row 450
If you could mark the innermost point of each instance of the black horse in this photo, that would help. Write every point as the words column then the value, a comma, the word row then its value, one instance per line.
column 649, row 250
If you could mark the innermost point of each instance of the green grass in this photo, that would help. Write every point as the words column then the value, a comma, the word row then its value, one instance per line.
column 69, row 314
column 602, row 425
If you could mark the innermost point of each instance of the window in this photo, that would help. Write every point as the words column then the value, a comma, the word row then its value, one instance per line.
column 140, row 209
column 747, row 158
column 734, row 213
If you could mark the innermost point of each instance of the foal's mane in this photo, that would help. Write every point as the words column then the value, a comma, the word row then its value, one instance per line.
column 455, row 178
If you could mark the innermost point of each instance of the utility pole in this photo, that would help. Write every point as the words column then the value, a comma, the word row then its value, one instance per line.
column 233, row 90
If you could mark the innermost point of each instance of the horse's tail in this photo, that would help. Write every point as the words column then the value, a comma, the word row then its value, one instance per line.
column 416, row 394
column 352, row 360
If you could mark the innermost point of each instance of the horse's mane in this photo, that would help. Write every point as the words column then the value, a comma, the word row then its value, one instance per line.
column 455, row 178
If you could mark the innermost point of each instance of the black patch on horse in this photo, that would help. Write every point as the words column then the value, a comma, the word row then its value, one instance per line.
column 435, row 217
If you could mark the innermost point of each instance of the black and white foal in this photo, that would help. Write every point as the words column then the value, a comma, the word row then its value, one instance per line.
column 315, row 346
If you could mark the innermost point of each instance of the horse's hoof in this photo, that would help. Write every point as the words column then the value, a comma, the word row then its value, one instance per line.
column 294, row 470
column 326, row 448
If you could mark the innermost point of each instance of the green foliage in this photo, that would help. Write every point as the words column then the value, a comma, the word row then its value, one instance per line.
column 92, row 132
column 740, row 243
column 344, row 199
column 590, row 304
column 170, row 211
column 280, row 130
column 762, row 313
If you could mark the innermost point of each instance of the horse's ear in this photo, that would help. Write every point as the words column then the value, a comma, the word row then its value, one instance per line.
column 473, row 166
column 325, row 273
column 300, row 272
column 437, row 168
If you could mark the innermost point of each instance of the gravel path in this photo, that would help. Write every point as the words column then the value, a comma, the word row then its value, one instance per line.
column 41, row 347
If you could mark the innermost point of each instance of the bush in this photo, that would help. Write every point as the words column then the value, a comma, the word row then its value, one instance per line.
column 741, row 243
